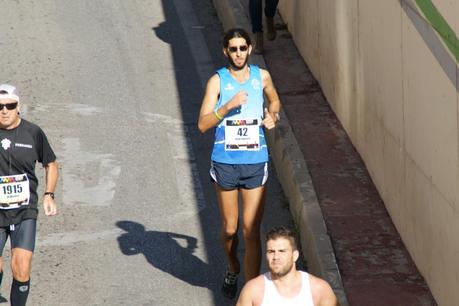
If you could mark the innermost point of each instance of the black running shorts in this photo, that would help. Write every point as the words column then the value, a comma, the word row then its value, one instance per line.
column 22, row 235
column 246, row 176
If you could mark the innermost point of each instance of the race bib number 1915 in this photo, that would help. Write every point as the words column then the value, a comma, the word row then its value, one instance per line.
column 14, row 189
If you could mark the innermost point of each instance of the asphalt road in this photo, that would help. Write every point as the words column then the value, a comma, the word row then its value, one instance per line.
column 117, row 87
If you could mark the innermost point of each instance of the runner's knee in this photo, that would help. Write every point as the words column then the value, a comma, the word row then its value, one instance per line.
column 21, row 271
column 20, row 264
column 251, row 234
column 229, row 231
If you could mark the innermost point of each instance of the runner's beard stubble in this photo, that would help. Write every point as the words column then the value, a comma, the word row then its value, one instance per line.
column 281, row 272
column 234, row 66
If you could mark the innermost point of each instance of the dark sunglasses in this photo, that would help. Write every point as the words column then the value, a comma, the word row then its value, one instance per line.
column 9, row 106
column 241, row 48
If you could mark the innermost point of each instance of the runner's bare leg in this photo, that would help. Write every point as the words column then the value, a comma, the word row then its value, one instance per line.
column 253, row 201
column 228, row 203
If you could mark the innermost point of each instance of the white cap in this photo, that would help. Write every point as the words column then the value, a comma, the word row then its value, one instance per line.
column 12, row 92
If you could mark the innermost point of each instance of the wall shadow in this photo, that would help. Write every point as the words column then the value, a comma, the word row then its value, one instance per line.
column 446, row 61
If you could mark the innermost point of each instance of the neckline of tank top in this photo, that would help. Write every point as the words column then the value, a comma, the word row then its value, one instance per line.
column 240, row 83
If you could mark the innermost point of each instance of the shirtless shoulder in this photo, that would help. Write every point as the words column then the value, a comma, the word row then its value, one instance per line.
column 322, row 293
column 252, row 293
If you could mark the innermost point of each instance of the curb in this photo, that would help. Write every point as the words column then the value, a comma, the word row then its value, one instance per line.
column 294, row 177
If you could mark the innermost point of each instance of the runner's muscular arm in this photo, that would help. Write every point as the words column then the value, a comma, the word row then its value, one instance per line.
column 252, row 293
column 51, row 175
column 207, row 118
column 245, row 298
column 272, row 114
column 328, row 297
column 322, row 293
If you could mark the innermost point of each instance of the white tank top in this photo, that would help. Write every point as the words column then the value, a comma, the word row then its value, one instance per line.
column 273, row 298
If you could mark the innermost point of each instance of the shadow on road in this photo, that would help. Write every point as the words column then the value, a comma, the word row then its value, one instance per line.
column 159, row 247
column 180, row 21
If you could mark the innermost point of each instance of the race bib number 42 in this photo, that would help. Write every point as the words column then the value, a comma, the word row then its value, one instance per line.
column 242, row 135
column 14, row 189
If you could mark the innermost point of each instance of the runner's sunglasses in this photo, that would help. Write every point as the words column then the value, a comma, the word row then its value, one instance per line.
column 241, row 48
column 9, row 106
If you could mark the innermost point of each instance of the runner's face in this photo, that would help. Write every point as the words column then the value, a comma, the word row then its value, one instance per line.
column 280, row 257
column 238, row 52
column 8, row 118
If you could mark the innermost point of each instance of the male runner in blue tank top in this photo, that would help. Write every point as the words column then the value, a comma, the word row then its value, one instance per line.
column 233, row 104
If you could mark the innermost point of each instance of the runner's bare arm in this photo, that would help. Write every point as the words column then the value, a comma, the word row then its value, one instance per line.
column 51, row 175
column 208, row 116
column 329, row 298
column 322, row 293
column 272, row 113
column 252, row 292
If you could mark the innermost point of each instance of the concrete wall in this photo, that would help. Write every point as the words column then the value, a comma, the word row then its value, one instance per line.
column 390, row 71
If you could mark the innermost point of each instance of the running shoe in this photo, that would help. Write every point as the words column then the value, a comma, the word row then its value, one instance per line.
column 229, row 287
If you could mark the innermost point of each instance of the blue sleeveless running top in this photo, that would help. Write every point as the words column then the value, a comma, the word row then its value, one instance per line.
column 249, row 153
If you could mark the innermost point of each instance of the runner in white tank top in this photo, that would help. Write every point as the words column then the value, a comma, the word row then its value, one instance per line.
column 272, row 297
column 284, row 285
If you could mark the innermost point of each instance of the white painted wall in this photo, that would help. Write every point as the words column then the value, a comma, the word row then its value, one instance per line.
column 394, row 86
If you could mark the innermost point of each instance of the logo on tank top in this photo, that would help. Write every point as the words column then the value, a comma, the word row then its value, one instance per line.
column 6, row 143
column 256, row 84
column 229, row 87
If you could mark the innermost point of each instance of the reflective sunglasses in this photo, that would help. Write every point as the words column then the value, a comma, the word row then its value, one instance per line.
column 241, row 48
column 9, row 106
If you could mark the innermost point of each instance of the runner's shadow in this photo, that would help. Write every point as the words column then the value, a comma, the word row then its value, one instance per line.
column 169, row 252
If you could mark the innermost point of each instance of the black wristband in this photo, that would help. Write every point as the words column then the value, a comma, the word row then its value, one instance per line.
column 51, row 194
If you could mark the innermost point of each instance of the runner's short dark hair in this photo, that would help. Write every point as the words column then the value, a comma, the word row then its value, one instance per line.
column 236, row 33
column 282, row 232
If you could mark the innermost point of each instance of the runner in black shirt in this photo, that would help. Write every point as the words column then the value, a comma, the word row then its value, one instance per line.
column 22, row 144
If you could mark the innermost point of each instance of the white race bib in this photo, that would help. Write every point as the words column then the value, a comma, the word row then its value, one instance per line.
column 14, row 191
column 242, row 135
